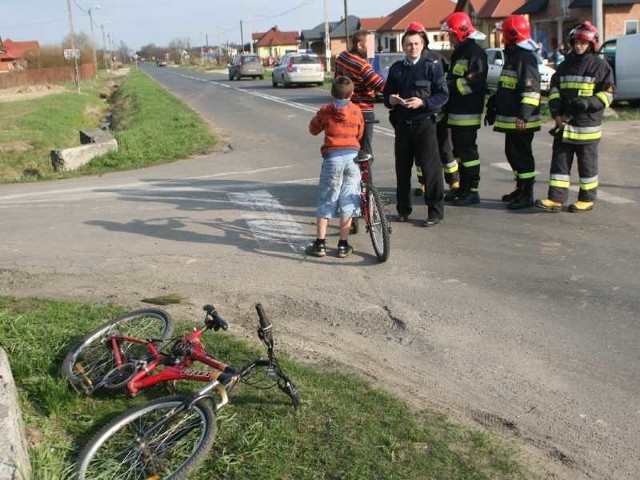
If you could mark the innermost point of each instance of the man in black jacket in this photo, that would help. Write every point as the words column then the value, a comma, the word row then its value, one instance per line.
column 415, row 91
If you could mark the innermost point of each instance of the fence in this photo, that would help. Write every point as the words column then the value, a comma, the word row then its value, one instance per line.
column 42, row 76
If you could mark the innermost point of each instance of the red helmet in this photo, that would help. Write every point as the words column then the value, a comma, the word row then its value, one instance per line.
column 515, row 29
column 585, row 31
column 459, row 24
column 415, row 27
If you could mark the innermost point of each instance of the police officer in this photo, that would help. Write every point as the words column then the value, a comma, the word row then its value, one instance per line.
column 445, row 146
column 581, row 89
column 415, row 91
column 467, row 83
column 517, row 107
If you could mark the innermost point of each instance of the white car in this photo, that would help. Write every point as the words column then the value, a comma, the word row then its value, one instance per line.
column 298, row 69
column 495, row 59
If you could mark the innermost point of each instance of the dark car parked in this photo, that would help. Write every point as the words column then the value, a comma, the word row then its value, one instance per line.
column 245, row 65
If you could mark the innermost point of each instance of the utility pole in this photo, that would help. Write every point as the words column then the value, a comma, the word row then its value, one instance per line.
column 73, row 47
column 597, row 17
column 93, row 40
column 241, row 38
column 327, row 40
column 104, row 49
column 110, row 51
column 346, row 24
column 250, row 33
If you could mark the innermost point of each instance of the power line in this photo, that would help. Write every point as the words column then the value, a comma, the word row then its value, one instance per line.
column 300, row 5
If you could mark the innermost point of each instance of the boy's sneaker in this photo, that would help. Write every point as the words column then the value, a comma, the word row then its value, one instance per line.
column 316, row 249
column 344, row 249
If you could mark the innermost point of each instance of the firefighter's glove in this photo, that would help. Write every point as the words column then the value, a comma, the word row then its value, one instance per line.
column 490, row 115
column 579, row 105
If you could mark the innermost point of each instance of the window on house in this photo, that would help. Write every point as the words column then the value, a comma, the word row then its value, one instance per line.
column 630, row 27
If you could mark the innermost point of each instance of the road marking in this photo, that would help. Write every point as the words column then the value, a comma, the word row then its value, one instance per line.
column 602, row 195
column 115, row 189
column 269, row 222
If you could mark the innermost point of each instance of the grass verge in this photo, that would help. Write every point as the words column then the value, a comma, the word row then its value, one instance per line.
column 345, row 429
column 151, row 127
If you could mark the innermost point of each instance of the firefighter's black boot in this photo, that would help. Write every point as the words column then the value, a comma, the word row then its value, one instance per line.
column 516, row 193
column 525, row 200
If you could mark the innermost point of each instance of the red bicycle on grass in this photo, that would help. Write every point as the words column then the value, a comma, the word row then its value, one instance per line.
column 168, row 437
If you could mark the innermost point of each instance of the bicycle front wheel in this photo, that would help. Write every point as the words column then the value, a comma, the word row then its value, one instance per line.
column 89, row 362
column 161, row 439
column 378, row 224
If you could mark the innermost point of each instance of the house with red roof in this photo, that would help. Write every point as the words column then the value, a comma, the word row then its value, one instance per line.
column 429, row 13
column 14, row 55
column 274, row 43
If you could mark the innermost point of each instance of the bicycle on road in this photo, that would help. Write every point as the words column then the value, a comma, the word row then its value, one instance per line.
column 167, row 437
column 372, row 208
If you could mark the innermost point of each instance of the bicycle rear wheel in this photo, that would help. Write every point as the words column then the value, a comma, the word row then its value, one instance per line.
column 160, row 439
column 378, row 225
column 92, row 359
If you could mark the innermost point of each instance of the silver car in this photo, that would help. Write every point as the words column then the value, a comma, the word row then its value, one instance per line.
column 496, row 58
column 298, row 69
column 245, row 65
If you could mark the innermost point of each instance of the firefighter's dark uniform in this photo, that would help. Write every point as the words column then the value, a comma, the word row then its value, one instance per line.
column 467, row 83
column 581, row 89
column 518, row 96
column 415, row 130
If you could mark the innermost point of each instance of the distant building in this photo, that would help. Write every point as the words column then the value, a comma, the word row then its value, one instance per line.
column 14, row 55
column 273, row 44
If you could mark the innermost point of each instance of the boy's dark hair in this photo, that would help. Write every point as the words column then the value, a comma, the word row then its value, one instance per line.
column 341, row 88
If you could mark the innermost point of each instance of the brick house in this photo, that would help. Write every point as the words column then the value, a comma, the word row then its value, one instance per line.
column 13, row 55
column 273, row 44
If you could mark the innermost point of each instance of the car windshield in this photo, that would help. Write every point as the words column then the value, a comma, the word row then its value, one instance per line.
column 305, row 59
column 250, row 60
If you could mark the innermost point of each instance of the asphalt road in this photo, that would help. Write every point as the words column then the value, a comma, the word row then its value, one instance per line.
column 525, row 322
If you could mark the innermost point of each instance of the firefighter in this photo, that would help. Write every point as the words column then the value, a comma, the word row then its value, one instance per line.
column 467, row 82
column 516, row 107
column 581, row 89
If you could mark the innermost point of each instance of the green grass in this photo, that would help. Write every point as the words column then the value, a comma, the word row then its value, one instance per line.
column 345, row 429
column 151, row 127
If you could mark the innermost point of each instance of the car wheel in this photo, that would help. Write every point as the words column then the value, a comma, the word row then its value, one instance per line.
column 238, row 77
column 261, row 77
column 286, row 83
column 230, row 77
column 274, row 84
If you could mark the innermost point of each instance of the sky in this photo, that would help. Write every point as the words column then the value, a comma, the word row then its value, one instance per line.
column 141, row 22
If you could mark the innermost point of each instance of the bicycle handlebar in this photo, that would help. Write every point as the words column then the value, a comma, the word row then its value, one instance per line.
column 213, row 319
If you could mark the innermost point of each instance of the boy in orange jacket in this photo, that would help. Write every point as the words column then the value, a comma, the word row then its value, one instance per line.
column 338, row 189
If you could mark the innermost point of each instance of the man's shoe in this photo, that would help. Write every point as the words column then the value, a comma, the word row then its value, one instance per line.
column 355, row 226
column 580, row 206
column 344, row 249
column 402, row 218
column 431, row 221
column 548, row 205
column 467, row 198
column 452, row 195
column 509, row 197
column 316, row 249
column 524, row 201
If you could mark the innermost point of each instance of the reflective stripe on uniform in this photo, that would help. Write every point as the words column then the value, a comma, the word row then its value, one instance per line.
column 471, row 163
column 578, row 82
column 466, row 120
column 589, row 183
column 451, row 167
column 572, row 132
column 461, row 67
column 463, row 88
column 509, row 79
column 525, row 176
column 531, row 98
column 510, row 122
column 554, row 94
column 559, row 181
column 605, row 97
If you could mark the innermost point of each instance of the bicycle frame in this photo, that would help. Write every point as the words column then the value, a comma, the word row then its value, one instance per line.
column 364, row 182
column 181, row 370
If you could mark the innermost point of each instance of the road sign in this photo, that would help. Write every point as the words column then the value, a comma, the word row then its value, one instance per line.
column 71, row 53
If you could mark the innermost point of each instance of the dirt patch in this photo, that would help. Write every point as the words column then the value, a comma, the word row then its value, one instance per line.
column 29, row 92
column 15, row 146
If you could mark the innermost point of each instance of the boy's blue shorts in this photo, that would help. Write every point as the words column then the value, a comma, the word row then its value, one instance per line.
column 339, row 187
